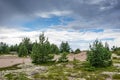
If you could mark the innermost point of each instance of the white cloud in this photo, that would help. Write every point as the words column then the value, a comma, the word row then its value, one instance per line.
column 52, row 13
column 76, row 39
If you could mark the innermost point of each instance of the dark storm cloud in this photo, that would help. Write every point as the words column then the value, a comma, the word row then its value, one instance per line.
column 101, row 13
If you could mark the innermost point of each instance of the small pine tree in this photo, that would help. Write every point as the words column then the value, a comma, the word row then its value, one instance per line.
column 23, row 52
column 64, row 47
column 77, row 51
column 35, row 53
column 63, row 58
column 4, row 48
column 99, row 56
column 41, row 51
column 54, row 49
column 26, row 41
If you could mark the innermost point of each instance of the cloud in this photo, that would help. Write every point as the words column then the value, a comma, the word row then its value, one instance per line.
column 52, row 13
column 77, row 39
column 86, row 13
column 90, row 19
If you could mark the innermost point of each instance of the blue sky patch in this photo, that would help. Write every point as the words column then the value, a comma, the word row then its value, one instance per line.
column 47, row 22
column 108, row 39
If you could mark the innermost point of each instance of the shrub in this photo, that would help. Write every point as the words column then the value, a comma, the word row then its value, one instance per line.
column 63, row 58
column 22, row 51
column 41, row 51
column 64, row 47
column 54, row 49
column 99, row 56
column 4, row 48
column 77, row 51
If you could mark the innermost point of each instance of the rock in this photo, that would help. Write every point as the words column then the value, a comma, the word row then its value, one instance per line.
column 72, row 78
column 73, row 75
column 80, row 79
column 117, row 65
column 69, row 66
column 59, row 65
column 34, row 72
column 26, row 65
column 41, row 68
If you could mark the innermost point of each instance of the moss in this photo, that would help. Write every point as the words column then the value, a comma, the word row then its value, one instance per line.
column 104, row 75
column 116, row 61
column 17, row 76
column 116, row 76
column 39, row 76
column 57, row 76
column 10, row 76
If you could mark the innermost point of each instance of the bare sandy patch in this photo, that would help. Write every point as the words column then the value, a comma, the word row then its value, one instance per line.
column 81, row 56
column 9, row 60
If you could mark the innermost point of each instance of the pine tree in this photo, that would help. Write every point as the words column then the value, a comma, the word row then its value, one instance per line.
column 23, row 52
column 77, row 51
column 99, row 56
column 28, row 44
column 41, row 51
column 54, row 49
column 64, row 47
column 4, row 48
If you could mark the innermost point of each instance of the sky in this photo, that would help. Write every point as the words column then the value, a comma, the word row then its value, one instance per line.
column 79, row 22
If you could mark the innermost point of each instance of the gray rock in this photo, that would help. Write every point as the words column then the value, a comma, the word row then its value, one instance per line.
column 34, row 72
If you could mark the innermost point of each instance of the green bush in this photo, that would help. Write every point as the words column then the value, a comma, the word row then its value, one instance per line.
column 99, row 56
column 22, row 51
column 63, row 58
column 4, row 48
column 107, row 63
column 50, row 57
column 54, row 49
column 77, row 51
column 41, row 51
column 64, row 47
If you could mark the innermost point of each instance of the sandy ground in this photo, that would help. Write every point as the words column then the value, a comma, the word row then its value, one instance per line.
column 9, row 60
column 81, row 56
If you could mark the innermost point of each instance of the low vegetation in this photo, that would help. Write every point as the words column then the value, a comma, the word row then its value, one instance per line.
column 18, row 76
column 116, row 76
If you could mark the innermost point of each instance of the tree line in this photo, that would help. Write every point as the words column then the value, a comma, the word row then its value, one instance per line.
column 43, row 48
column 43, row 51
column 25, row 47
